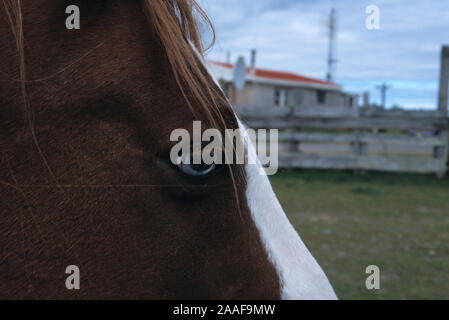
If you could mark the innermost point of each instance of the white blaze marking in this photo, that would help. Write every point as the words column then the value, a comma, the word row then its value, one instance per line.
column 301, row 276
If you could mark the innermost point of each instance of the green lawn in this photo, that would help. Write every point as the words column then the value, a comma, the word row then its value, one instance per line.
column 399, row 222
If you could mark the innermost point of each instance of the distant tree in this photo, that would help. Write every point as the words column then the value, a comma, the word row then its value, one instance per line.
column 397, row 107
column 372, row 106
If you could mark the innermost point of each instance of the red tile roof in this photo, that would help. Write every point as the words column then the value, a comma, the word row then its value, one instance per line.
column 279, row 75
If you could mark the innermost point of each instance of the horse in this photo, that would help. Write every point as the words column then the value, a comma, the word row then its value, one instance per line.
column 85, row 179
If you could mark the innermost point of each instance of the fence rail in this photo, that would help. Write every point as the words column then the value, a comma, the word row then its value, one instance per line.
column 288, row 118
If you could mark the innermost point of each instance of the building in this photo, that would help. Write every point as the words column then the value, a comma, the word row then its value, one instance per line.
column 267, row 89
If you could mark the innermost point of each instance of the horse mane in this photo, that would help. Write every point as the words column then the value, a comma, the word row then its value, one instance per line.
column 176, row 24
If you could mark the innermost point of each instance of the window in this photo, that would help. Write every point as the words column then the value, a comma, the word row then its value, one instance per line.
column 321, row 96
column 280, row 97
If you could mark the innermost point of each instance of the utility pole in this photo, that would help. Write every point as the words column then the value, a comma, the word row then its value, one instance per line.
column 228, row 56
column 331, row 61
column 383, row 93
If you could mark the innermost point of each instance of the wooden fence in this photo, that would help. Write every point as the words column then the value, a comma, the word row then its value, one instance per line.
column 414, row 142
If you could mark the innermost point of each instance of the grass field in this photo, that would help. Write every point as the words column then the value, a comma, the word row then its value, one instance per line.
column 399, row 222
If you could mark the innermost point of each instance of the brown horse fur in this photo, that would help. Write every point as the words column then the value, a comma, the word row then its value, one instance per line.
column 85, row 176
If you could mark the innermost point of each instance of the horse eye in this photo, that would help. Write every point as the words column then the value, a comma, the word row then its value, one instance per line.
column 197, row 170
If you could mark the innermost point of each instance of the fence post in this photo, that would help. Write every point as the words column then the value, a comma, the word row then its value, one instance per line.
column 293, row 143
column 442, row 152
column 444, row 81
column 358, row 147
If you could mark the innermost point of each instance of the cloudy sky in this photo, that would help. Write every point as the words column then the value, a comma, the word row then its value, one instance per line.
column 291, row 35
